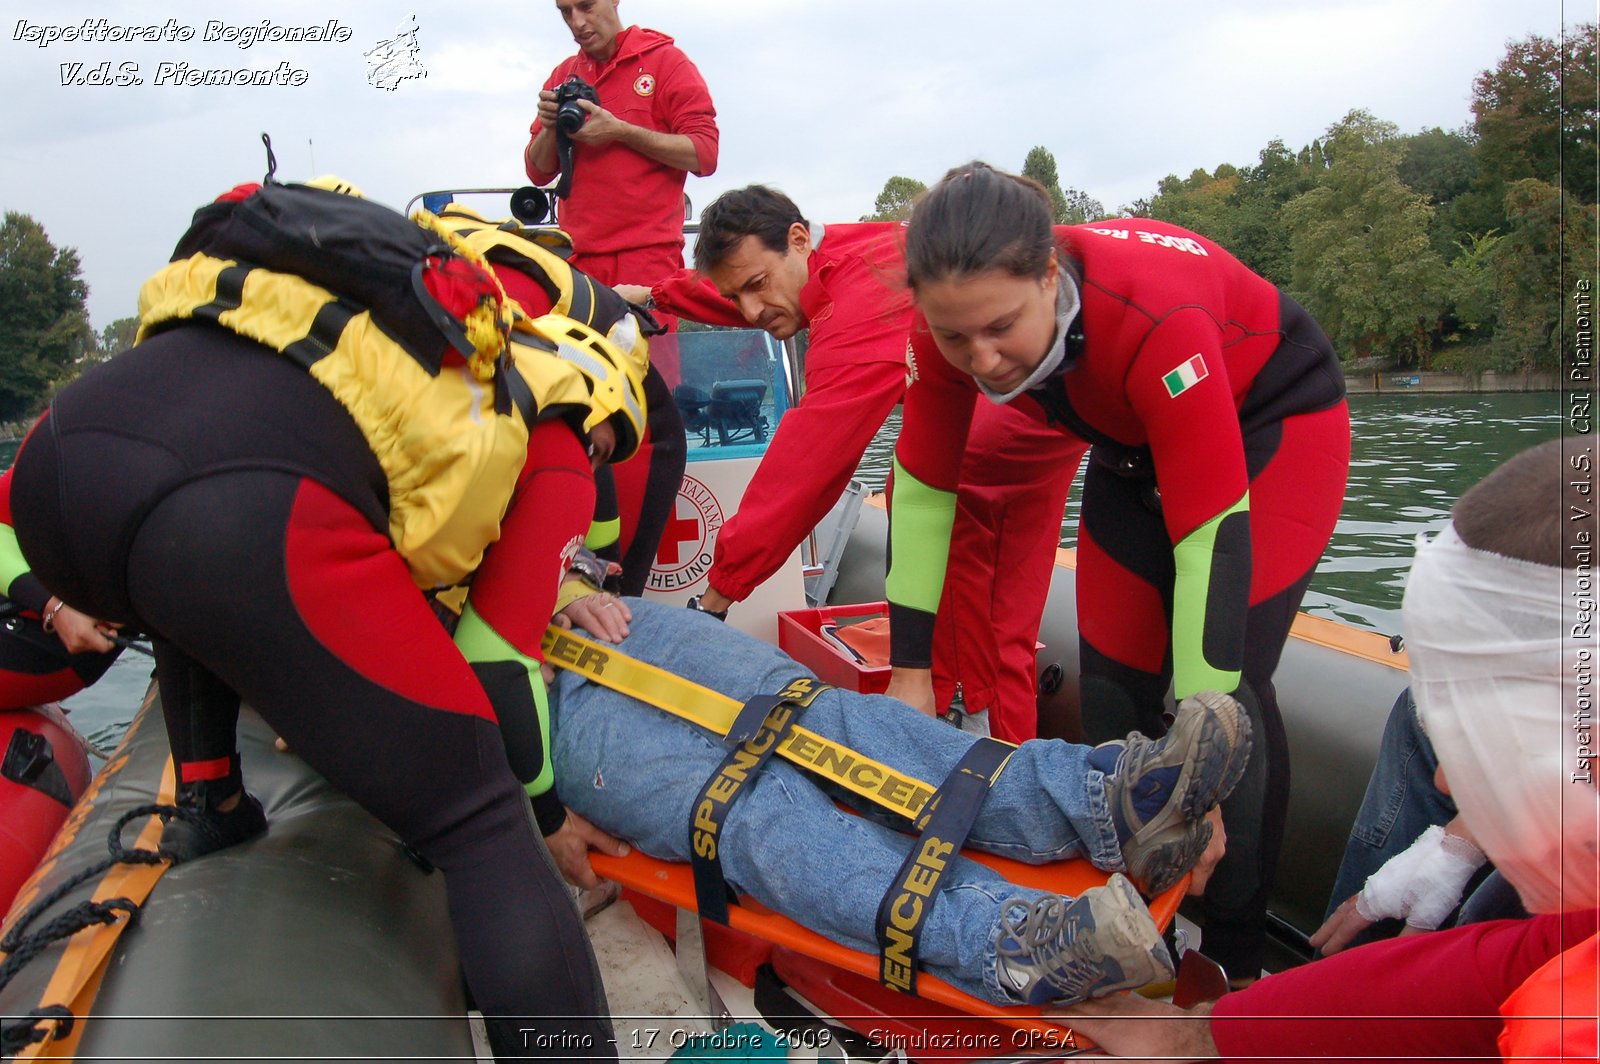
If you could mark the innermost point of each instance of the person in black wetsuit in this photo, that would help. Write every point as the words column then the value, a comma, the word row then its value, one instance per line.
column 211, row 492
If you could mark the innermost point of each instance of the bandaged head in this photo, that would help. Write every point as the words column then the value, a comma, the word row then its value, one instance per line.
column 1502, row 672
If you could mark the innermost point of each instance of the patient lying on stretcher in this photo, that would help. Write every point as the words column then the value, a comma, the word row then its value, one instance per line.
column 1144, row 808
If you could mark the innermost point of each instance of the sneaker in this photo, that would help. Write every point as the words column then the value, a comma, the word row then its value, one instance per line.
column 1161, row 789
column 195, row 828
column 1061, row 950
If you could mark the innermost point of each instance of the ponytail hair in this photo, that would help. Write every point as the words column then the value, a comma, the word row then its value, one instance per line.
column 978, row 218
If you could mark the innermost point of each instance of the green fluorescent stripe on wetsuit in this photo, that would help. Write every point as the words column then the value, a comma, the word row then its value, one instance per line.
column 1210, row 600
column 480, row 643
column 920, row 521
column 12, row 563
column 603, row 533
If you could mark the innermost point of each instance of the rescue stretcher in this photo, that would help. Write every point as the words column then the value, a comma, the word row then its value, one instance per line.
column 750, row 941
column 842, row 982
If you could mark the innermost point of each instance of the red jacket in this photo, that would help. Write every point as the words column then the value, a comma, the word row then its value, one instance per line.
column 620, row 199
column 1434, row 996
column 859, row 313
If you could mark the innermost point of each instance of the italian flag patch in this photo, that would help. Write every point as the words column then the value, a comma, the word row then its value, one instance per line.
column 1185, row 376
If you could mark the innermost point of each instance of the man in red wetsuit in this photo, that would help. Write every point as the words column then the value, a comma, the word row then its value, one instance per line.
column 654, row 125
column 771, row 268
column 1498, row 673
column 1216, row 410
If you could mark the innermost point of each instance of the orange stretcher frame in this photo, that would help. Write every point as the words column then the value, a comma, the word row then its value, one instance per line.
column 673, row 883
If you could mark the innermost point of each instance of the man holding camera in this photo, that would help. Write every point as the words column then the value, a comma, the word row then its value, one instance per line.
column 649, row 123
column 624, row 122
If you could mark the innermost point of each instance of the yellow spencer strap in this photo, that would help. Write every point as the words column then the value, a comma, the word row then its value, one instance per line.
column 715, row 711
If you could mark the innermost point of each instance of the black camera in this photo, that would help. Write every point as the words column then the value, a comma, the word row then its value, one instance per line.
column 569, row 116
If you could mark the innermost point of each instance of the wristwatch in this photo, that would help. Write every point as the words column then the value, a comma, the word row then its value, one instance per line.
column 694, row 604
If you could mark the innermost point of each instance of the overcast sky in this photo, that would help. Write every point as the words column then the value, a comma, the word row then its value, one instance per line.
column 824, row 98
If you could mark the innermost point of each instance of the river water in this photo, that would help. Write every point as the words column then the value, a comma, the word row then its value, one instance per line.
column 1412, row 457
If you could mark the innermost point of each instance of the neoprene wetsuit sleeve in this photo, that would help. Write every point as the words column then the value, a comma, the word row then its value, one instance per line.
column 935, row 423
column 16, row 576
column 927, row 467
column 516, row 690
column 919, row 549
column 605, row 530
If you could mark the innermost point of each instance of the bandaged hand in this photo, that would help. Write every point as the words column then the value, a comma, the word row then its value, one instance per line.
column 1420, row 886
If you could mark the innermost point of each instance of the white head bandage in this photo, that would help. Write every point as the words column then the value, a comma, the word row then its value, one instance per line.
column 1495, row 670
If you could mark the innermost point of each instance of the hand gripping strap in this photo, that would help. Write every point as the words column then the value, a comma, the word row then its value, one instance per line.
column 945, row 827
column 778, row 716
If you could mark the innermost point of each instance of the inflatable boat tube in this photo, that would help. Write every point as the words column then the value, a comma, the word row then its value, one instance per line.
column 321, row 938
column 44, row 769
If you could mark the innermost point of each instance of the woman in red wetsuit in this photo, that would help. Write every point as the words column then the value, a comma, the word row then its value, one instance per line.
column 1221, row 440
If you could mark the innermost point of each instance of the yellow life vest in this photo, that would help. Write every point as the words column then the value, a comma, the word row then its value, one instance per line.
column 451, row 445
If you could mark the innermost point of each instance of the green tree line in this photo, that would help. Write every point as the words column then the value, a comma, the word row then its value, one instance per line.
column 1441, row 249
column 45, row 336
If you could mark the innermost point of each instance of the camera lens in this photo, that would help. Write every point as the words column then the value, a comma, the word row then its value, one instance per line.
column 570, row 117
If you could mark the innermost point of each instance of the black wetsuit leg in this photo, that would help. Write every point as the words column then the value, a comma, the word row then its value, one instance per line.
column 202, row 717
column 647, row 507
column 407, row 733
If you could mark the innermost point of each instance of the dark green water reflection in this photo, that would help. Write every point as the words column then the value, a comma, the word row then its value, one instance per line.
column 1411, row 457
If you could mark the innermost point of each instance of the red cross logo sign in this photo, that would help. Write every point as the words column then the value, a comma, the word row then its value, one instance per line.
column 684, row 555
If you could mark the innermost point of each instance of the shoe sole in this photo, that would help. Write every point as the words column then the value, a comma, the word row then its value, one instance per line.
column 1163, row 865
column 1225, row 724
column 1125, row 932
column 1172, row 841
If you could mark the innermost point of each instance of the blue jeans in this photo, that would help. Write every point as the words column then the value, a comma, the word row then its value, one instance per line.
column 1400, row 804
column 637, row 771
